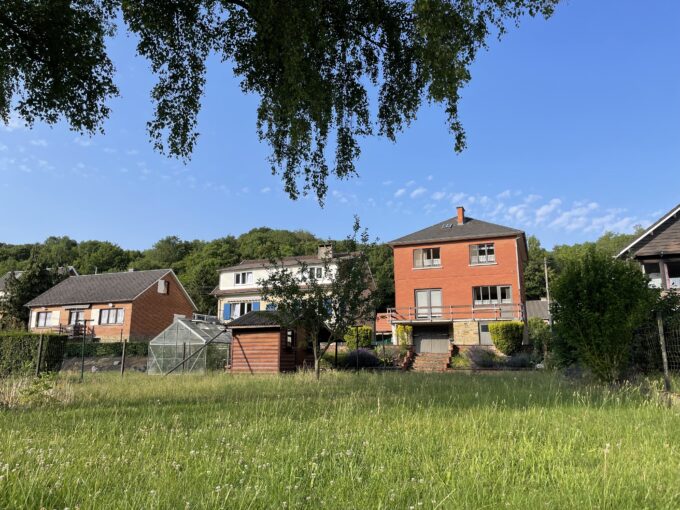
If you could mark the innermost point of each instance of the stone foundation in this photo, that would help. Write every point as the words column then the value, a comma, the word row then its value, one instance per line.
column 466, row 333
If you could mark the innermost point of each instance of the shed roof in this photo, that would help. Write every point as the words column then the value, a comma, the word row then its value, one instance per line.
column 538, row 308
column 450, row 230
column 99, row 288
column 256, row 319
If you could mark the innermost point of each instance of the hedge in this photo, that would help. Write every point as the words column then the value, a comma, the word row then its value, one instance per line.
column 365, row 334
column 507, row 336
column 19, row 352
column 114, row 349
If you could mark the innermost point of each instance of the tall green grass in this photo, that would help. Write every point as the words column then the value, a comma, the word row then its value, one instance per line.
column 393, row 440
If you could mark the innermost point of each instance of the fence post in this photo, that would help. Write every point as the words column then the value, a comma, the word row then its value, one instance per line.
column 664, row 356
column 122, row 361
column 40, row 350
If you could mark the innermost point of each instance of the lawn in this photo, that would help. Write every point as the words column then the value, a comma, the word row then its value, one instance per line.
column 393, row 440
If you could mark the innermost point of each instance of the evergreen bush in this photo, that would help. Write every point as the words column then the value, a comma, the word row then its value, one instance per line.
column 19, row 352
column 507, row 336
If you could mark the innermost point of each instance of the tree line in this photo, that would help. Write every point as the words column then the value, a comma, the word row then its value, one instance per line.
column 195, row 262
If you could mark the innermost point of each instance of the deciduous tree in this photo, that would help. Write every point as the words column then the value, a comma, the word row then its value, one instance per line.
column 315, row 66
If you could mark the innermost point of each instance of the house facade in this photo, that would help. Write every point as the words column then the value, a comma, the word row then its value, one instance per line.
column 454, row 278
column 133, row 305
column 657, row 251
column 238, row 291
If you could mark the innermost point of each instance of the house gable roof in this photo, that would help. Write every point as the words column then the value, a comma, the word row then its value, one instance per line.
column 662, row 237
column 101, row 288
column 285, row 261
column 450, row 230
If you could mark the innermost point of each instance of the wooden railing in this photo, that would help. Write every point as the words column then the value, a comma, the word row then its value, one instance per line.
column 509, row 311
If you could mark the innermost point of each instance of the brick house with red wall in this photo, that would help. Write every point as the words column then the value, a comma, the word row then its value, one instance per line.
column 133, row 305
column 455, row 277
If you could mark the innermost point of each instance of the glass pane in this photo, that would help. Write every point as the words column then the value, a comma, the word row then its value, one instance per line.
column 417, row 258
column 494, row 294
column 121, row 316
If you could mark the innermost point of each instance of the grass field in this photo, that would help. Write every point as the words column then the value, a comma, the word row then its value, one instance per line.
column 394, row 440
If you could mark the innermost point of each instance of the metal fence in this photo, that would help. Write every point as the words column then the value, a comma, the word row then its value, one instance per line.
column 656, row 348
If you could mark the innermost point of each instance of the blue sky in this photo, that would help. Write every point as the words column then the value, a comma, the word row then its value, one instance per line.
column 573, row 128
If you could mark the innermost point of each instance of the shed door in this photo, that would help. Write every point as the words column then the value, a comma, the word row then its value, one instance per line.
column 432, row 339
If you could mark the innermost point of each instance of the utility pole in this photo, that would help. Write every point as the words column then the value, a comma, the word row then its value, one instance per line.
column 547, row 290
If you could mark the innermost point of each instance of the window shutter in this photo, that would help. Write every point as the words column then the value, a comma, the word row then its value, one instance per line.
column 256, row 306
column 226, row 314
column 94, row 316
column 33, row 319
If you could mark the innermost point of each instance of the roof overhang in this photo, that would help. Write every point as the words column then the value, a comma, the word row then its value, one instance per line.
column 650, row 230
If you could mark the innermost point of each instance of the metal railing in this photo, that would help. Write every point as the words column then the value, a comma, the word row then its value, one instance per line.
column 506, row 311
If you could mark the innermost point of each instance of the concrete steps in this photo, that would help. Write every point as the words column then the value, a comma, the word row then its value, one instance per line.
column 431, row 362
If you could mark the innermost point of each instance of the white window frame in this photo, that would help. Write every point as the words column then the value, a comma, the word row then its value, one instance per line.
column 243, row 278
column 243, row 308
column 46, row 322
column 76, row 314
column 427, row 311
column 425, row 258
column 111, row 316
column 487, row 293
column 482, row 254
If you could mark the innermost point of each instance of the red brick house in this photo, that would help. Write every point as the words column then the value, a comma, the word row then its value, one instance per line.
column 455, row 277
column 133, row 305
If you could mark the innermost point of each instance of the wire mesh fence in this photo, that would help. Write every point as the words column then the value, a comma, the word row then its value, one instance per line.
column 656, row 348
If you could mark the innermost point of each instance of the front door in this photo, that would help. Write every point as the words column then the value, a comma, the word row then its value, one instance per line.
column 431, row 339
column 485, row 334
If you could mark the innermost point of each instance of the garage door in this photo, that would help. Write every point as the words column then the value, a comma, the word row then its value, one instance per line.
column 431, row 339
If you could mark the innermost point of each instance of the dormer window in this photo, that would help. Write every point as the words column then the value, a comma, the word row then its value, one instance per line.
column 243, row 278
column 482, row 254
column 426, row 257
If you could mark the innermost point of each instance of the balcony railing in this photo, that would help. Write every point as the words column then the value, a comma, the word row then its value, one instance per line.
column 514, row 311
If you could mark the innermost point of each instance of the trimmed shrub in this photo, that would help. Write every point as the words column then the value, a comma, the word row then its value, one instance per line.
column 507, row 336
column 365, row 357
column 364, row 333
column 112, row 349
column 19, row 352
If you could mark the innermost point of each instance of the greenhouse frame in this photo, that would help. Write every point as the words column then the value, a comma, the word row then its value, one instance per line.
column 181, row 342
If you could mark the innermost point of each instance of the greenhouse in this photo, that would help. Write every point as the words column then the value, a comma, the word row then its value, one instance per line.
column 191, row 346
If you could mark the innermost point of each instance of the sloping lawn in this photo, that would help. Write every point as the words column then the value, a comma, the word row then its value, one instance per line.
column 507, row 440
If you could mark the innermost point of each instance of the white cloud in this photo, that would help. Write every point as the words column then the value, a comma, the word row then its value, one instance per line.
column 576, row 218
column 266, row 189
column 15, row 123
column 429, row 177
column 505, row 194
column 418, row 192
column 546, row 210
column 387, row 183
column 3, row 148
column 109, row 150
column 82, row 141
column 132, row 152
column 399, row 192
column 410, row 183
column 438, row 195
column 530, row 199
column 40, row 142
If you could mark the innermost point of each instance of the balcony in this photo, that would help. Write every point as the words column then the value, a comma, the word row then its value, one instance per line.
column 451, row 313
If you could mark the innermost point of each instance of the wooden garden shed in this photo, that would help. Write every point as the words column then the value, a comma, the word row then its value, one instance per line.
column 261, row 345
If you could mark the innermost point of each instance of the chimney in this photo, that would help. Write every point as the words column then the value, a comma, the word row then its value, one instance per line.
column 325, row 251
column 461, row 214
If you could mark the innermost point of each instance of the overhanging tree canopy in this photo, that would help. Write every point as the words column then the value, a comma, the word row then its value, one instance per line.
column 312, row 63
